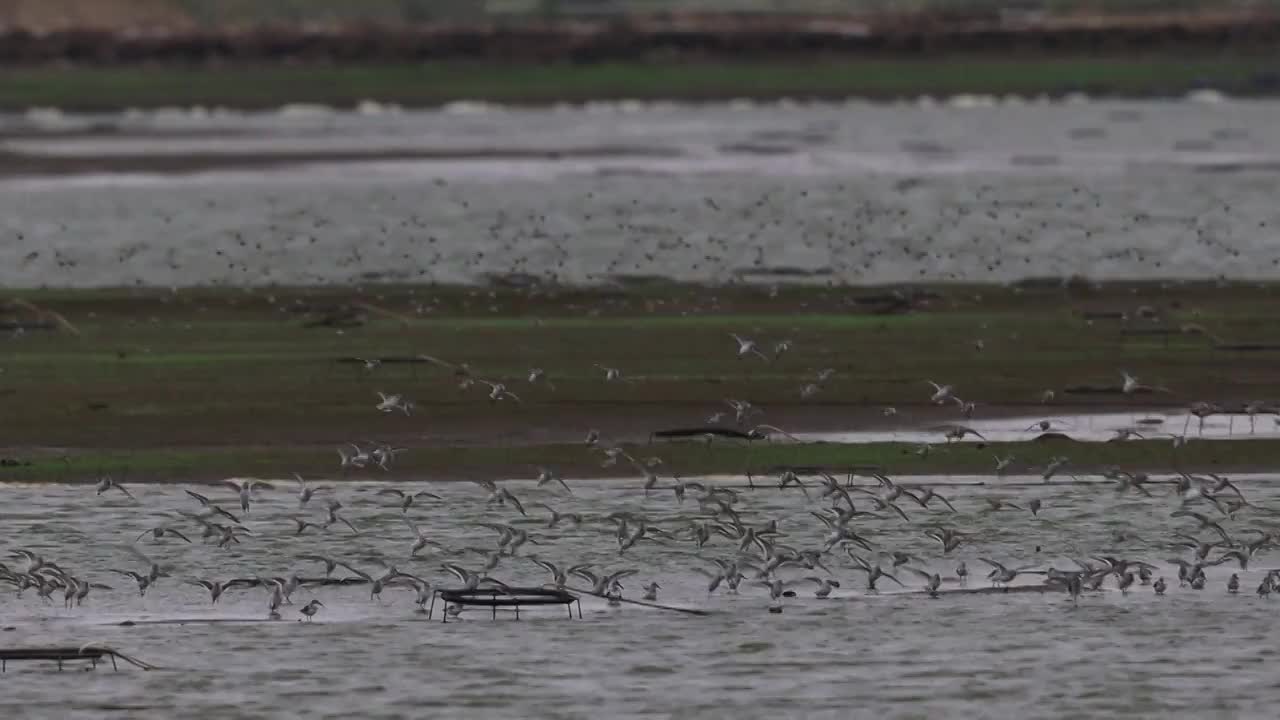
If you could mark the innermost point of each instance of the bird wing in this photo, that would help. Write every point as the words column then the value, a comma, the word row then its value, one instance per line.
column 198, row 497
column 515, row 501
column 365, row 576
column 549, row 567
column 614, row 577
column 921, row 573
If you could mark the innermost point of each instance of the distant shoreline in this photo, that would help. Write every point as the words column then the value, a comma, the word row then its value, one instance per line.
column 268, row 85
column 686, row 57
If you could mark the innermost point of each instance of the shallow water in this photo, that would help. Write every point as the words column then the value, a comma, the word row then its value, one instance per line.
column 1083, row 427
column 841, row 193
column 1189, row 654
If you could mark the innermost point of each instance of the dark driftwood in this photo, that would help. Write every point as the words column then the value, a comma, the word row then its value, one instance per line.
column 703, row 431
column 391, row 360
column 1247, row 347
column 1093, row 390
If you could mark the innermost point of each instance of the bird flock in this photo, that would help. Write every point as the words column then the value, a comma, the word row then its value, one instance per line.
column 832, row 531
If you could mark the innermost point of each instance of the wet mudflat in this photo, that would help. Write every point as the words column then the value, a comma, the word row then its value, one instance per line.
column 966, row 190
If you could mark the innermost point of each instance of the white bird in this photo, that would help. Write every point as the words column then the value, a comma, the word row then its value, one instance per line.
column 610, row 374
column 305, row 491
column 383, row 454
column 941, row 393
column 357, row 459
column 547, row 476
column 245, row 489
column 105, row 483
column 1131, row 386
column 1003, row 463
column 1053, row 467
column 391, row 403
column 748, row 347
column 498, row 391
column 539, row 375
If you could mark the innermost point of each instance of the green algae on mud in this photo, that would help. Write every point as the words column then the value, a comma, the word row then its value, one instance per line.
column 686, row 459
column 85, row 88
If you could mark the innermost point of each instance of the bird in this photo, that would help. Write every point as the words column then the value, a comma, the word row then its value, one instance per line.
column 393, row 402
column 748, row 347
column 301, row 525
column 160, row 532
column 557, row 517
column 539, row 375
column 311, row 608
column 824, row 588
column 216, row 589
column 933, row 581
column 1130, row 385
column 1003, row 463
column 941, row 393
column 499, row 391
column 105, row 483
column 610, row 374
column 245, row 489
column 651, row 592
column 547, row 475
column 329, row 563
column 332, row 508
column 359, row 458
column 1056, row 464
column 406, row 499
column 305, row 491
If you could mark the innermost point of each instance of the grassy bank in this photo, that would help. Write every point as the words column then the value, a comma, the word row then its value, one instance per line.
column 200, row 382
column 211, row 464
column 106, row 88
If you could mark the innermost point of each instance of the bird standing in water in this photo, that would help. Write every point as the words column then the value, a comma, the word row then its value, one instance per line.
column 311, row 608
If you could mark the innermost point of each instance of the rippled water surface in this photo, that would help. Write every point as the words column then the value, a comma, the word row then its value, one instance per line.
column 896, row 654
column 842, row 193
